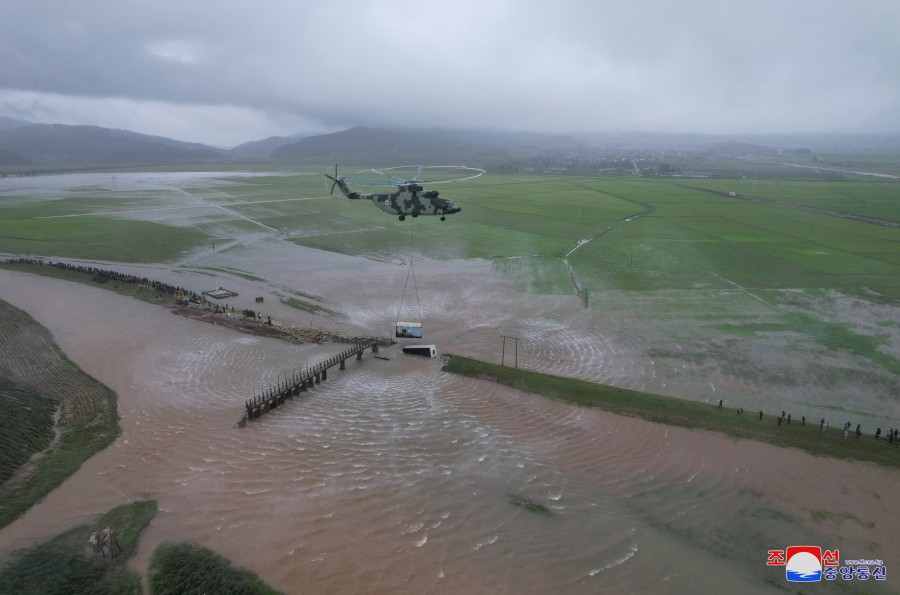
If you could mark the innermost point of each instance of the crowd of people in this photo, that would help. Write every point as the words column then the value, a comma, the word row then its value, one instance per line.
column 104, row 275
column 194, row 300
column 99, row 275
column 892, row 435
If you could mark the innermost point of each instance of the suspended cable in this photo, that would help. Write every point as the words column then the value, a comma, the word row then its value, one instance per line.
column 410, row 273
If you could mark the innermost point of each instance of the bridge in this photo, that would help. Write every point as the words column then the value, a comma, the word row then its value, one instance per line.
column 274, row 396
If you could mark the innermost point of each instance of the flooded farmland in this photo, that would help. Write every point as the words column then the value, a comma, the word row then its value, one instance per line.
column 393, row 476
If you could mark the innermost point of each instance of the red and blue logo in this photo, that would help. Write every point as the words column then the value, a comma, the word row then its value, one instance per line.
column 803, row 563
column 810, row 563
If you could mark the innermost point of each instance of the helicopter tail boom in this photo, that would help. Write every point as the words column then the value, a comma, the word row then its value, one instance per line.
column 338, row 181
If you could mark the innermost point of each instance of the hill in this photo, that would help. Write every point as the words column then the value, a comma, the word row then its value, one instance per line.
column 85, row 146
column 371, row 145
column 10, row 158
column 57, row 145
column 36, row 146
column 264, row 148
column 10, row 123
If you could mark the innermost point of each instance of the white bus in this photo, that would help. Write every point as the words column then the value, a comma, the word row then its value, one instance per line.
column 424, row 350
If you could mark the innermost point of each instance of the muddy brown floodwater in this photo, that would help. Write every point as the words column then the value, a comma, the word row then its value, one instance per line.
column 395, row 477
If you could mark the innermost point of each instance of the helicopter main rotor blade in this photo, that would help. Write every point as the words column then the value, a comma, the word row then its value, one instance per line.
column 370, row 182
column 429, row 174
column 396, row 180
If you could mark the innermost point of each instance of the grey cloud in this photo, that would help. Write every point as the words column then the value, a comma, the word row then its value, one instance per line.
column 695, row 65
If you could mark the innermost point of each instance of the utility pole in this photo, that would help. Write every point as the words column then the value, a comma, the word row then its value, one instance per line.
column 517, row 348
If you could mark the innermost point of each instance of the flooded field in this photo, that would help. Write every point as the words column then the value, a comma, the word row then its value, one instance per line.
column 393, row 476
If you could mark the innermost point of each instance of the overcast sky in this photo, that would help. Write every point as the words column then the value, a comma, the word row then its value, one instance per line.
column 223, row 72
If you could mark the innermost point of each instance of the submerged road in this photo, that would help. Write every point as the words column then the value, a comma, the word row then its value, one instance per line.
column 847, row 171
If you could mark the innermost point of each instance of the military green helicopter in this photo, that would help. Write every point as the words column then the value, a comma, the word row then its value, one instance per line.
column 410, row 198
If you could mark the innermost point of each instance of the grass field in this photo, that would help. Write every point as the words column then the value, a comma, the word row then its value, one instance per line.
column 691, row 238
column 177, row 568
column 645, row 233
column 28, row 415
column 95, row 238
column 678, row 234
column 34, row 369
column 62, row 564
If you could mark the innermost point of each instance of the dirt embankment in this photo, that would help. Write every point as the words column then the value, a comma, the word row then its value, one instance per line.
column 278, row 330
column 187, row 303
column 43, row 395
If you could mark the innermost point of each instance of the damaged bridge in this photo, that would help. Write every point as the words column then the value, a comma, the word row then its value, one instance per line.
column 276, row 395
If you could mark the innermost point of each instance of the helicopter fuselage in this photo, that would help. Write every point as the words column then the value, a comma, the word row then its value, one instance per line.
column 408, row 200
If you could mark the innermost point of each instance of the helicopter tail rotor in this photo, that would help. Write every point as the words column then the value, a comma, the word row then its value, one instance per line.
column 340, row 182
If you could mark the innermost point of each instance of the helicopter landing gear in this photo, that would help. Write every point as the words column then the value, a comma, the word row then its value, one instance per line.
column 402, row 217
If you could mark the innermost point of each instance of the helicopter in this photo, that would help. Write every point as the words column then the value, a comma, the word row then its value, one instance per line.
column 411, row 198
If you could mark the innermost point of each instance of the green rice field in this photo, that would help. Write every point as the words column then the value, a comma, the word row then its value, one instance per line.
column 637, row 233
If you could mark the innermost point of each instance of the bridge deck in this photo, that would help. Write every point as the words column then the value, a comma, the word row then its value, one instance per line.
column 274, row 396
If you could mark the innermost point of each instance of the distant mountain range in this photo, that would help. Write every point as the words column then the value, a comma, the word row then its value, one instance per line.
column 264, row 148
column 46, row 146
column 24, row 144
column 10, row 123
column 383, row 147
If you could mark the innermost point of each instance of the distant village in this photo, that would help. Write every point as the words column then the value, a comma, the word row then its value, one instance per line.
column 648, row 162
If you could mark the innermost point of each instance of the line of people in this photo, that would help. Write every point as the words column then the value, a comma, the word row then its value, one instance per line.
column 892, row 435
column 182, row 296
column 105, row 274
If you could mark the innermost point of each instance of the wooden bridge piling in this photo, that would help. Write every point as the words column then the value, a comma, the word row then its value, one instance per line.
column 274, row 396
